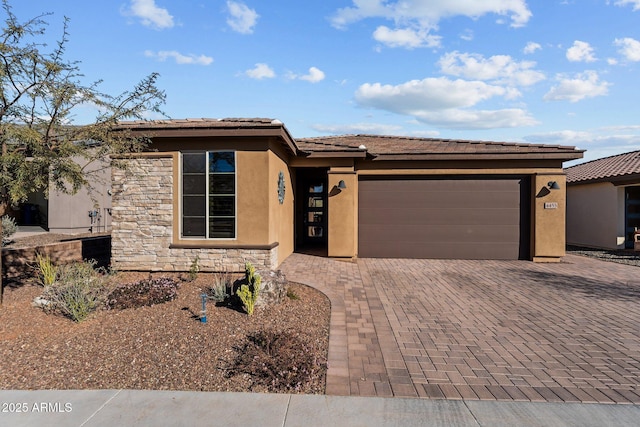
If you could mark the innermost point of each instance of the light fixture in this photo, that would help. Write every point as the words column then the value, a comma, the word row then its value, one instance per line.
column 553, row 185
column 342, row 185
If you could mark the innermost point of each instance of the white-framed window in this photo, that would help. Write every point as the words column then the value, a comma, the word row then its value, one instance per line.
column 208, row 194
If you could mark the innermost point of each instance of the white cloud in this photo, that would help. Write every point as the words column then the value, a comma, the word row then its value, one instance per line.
column 242, row 18
column 430, row 94
column 467, row 35
column 478, row 119
column 180, row 58
column 563, row 137
column 584, row 85
column 498, row 68
column 407, row 38
column 580, row 52
column 443, row 102
column 261, row 71
column 634, row 3
column 531, row 47
column 150, row 14
column 629, row 48
column 314, row 75
column 417, row 19
column 359, row 128
column 429, row 12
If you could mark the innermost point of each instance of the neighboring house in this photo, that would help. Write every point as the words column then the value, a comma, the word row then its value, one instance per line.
column 82, row 212
column 234, row 190
column 603, row 202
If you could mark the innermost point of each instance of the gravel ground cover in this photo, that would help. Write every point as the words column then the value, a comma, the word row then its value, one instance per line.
column 161, row 347
column 622, row 256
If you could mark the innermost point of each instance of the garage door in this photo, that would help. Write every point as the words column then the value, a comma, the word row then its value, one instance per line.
column 443, row 218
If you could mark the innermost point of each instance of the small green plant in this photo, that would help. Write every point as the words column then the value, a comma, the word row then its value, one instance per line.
column 292, row 295
column 194, row 269
column 218, row 290
column 77, row 292
column 9, row 228
column 47, row 270
column 248, row 293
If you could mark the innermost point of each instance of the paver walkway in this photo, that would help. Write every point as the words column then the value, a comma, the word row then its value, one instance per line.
column 488, row 330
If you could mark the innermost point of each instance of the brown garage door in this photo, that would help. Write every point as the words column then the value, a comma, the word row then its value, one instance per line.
column 443, row 218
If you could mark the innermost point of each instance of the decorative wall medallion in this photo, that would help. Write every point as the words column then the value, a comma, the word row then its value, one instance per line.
column 281, row 187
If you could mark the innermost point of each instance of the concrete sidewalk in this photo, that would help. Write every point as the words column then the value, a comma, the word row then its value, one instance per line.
column 180, row 408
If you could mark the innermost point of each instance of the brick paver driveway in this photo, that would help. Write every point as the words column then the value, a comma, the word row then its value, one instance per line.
column 508, row 330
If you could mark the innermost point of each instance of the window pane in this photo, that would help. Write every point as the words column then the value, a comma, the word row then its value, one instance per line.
column 222, row 206
column 194, row 184
column 314, row 217
column 193, row 206
column 222, row 228
column 222, row 184
column 222, row 161
column 193, row 163
column 193, row 227
column 314, row 231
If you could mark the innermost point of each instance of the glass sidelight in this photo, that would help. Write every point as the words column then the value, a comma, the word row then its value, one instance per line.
column 315, row 221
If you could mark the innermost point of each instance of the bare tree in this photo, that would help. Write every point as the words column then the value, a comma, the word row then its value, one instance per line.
column 40, row 92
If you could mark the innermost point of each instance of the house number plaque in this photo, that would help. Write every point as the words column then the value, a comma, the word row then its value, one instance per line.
column 551, row 205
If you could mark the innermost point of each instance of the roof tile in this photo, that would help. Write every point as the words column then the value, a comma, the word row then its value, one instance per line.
column 392, row 145
column 605, row 168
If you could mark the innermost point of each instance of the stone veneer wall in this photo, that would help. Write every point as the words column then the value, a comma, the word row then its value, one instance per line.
column 142, row 229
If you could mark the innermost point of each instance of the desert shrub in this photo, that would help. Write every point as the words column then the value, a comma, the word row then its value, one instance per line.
column 279, row 362
column 221, row 283
column 248, row 293
column 291, row 294
column 9, row 228
column 47, row 271
column 194, row 269
column 77, row 292
column 143, row 293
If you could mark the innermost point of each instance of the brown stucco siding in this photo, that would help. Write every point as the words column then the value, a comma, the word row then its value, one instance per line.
column 549, row 216
column 281, row 215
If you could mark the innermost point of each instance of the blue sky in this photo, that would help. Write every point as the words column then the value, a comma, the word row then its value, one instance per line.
column 554, row 72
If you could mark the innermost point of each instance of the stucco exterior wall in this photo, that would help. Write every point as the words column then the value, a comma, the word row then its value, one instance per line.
column 281, row 216
column 594, row 215
column 143, row 235
column 343, row 213
column 548, row 216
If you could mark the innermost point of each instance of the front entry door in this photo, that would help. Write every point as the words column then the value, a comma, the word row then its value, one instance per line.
column 315, row 213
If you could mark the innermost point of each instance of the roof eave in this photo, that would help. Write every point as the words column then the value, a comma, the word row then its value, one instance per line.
column 277, row 131
column 565, row 156
column 620, row 180
column 334, row 154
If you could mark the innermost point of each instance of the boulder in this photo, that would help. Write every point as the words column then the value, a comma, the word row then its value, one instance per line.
column 273, row 288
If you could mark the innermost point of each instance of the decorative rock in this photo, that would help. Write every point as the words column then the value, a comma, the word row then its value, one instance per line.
column 273, row 288
column 40, row 302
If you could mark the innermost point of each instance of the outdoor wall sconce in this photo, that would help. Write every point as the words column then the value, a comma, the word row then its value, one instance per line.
column 553, row 185
column 342, row 185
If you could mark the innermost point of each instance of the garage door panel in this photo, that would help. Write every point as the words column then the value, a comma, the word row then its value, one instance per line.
column 439, row 199
column 440, row 218
column 448, row 250
column 439, row 234
column 436, row 216
column 448, row 185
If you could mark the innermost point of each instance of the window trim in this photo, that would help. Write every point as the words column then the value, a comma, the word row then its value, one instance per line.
column 207, row 196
